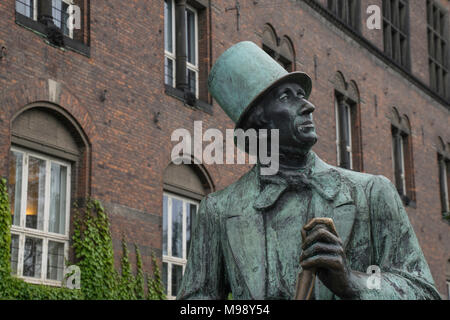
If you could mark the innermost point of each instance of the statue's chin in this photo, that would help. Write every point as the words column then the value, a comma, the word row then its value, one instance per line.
column 300, row 149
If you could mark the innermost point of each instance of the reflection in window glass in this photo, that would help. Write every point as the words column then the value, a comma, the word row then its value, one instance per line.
column 14, row 253
column 177, row 275
column 164, row 277
column 55, row 261
column 32, row 257
column 165, row 219
column 15, row 185
column 191, row 210
column 190, row 37
column 192, row 80
column 36, row 193
column 177, row 228
column 25, row 7
column 168, row 41
column 58, row 186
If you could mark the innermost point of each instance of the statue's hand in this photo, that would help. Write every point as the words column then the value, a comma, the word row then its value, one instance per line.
column 323, row 253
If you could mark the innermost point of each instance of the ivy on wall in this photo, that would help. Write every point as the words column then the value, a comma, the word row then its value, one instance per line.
column 92, row 244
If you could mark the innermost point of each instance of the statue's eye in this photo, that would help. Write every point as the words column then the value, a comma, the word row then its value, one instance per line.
column 284, row 97
column 301, row 93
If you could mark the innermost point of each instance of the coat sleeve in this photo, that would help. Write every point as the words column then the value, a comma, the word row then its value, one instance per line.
column 204, row 277
column 395, row 249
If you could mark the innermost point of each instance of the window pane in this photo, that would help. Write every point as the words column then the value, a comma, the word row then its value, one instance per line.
column 168, row 41
column 25, row 7
column 192, row 80
column 190, row 37
column 191, row 210
column 55, row 261
column 177, row 228
column 168, row 71
column 177, row 275
column 14, row 253
column 32, row 257
column 56, row 12
column 165, row 220
column 15, row 185
column 58, row 194
column 65, row 19
column 164, row 276
column 36, row 193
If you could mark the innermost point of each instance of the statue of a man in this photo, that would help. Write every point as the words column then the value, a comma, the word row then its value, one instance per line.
column 255, row 237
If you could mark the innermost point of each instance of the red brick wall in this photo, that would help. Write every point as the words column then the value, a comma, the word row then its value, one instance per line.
column 129, row 151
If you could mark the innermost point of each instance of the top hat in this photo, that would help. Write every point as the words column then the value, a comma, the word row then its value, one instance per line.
column 243, row 74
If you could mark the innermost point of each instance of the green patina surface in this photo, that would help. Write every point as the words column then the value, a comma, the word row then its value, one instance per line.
column 247, row 239
column 253, row 250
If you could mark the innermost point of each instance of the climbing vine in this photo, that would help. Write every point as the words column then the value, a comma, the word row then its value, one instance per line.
column 92, row 244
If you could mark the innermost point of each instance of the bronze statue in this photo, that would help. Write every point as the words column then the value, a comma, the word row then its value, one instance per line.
column 310, row 231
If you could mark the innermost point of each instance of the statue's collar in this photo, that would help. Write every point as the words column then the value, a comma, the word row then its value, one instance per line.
column 316, row 175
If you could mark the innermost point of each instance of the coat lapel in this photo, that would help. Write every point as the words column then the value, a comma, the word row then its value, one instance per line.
column 245, row 233
column 341, row 209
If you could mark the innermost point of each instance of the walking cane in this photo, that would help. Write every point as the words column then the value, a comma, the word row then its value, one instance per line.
column 306, row 278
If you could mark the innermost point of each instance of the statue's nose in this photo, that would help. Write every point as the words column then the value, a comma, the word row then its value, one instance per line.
column 306, row 108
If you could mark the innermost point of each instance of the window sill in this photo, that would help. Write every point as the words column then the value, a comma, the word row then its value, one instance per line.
column 38, row 28
column 51, row 283
column 178, row 94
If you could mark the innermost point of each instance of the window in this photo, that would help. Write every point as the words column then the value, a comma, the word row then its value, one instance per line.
column 348, row 129
column 39, row 188
column 444, row 176
column 403, row 158
column 60, row 15
column 437, row 20
column 191, row 34
column 178, row 216
column 29, row 8
column 184, row 187
column 281, row 50
column 396, row 31
column 346, row 10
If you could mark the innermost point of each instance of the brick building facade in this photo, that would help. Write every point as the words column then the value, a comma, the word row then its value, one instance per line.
column 103, row 102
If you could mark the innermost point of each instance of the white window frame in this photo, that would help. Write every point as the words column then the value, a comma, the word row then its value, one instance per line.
column 190, row 66
column 401, row 161
column 169, row 259
column 35, row 12
column 22, row 231
column 349, row 147
column 172, row 55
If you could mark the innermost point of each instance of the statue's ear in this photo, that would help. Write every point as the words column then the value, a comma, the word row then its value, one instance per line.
column 256, row 119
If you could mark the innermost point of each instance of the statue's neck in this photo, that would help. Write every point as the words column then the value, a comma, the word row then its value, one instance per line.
column 290, row 160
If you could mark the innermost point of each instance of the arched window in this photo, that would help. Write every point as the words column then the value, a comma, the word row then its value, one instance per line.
column 184, row 188
column 348, row 124
column 403, row 156
column 281, row 50
column 46, row 157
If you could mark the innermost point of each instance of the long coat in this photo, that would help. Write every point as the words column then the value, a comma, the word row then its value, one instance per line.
column 228, row 249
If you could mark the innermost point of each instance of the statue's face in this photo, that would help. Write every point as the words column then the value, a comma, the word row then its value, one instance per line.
column 286, row 108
